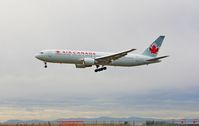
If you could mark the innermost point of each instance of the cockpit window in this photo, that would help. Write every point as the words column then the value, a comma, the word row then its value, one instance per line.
column 41, row 52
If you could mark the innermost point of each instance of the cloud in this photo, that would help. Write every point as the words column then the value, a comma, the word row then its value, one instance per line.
column 159, row 104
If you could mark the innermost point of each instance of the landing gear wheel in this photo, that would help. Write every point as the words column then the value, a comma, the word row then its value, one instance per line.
column 100, row 69
column 45, row 66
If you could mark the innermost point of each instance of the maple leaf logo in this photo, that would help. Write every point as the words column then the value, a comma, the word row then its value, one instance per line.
column 154, row 49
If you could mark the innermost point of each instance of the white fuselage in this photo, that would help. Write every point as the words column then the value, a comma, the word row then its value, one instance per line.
column 77, row 57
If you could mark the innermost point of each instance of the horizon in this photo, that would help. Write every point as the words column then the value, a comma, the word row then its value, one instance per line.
column 104, row 118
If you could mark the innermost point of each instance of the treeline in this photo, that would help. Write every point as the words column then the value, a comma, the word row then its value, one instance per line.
column 158, row 123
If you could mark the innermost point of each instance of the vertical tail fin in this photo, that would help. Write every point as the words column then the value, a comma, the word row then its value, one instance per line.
column 153, row 49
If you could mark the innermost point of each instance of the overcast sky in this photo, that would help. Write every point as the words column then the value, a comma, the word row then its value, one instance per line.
column 165, row 90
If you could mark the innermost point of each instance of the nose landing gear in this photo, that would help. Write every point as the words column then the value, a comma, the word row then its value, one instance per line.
column 45, row 65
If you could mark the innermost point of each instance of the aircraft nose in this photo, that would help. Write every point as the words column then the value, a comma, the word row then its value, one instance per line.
column 38, row 56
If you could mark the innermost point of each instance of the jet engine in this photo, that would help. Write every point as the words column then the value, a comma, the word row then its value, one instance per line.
column 87, row 62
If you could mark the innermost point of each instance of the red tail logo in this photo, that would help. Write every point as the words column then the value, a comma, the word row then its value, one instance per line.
column 154, row 49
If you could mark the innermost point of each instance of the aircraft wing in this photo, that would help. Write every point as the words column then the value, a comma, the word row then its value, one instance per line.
column 107, row 59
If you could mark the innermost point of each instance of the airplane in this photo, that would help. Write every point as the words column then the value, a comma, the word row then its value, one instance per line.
column 84, row 59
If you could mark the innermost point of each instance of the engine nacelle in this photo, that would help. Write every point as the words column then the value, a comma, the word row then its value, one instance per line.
column 88, row 61
column 80, row 66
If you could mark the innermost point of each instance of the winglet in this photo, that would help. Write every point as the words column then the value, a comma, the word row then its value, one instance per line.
column 130, row 50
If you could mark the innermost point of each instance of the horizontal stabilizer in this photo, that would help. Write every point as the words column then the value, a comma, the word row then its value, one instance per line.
column 155, row 59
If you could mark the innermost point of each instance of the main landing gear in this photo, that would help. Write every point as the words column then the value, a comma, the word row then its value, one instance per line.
column 45, row 65
column 100, row 69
